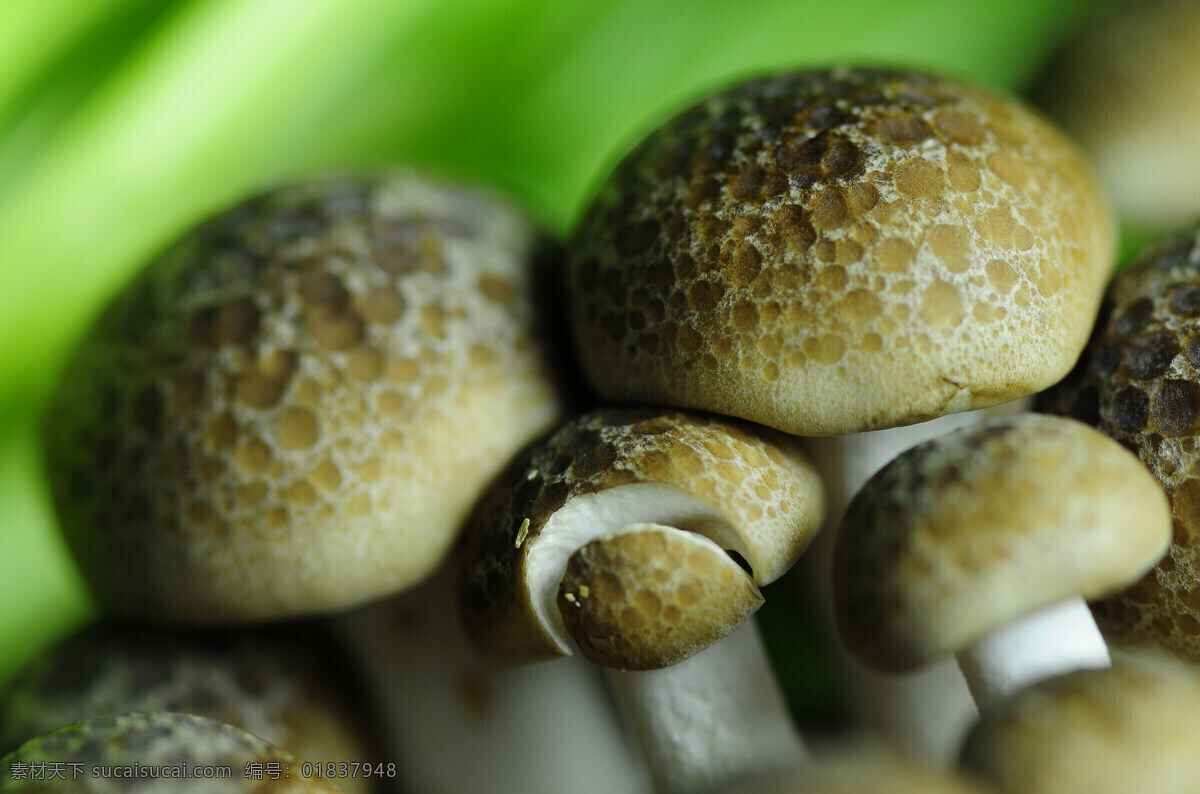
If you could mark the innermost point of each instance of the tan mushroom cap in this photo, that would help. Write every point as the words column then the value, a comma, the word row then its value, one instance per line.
column 286, row 685
column 747, row 488
column 1127, row 88
column 860, row 767
column 831, row 252
column 294, row 409
column 649, row 596
column 143, row 740
column 1131, row 727
column 1139, row 383
column 962, row 534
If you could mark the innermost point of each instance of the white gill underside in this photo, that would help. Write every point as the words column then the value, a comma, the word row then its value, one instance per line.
column 586, row 517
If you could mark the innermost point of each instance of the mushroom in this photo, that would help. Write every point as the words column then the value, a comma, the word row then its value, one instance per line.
column 293, row 409
column 984, row 543
column 837, row 251
column 286, row 685
column 1127, row 88
column 1139, row 383
column 1132, row 727
column 857, row 766
column 626, row 486
column 454, row 723
column 167, row 753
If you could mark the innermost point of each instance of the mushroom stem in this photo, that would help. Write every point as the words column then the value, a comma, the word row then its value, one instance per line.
column 543, row 728
column 712, row 718
column 924, row 712
column 1053, row 640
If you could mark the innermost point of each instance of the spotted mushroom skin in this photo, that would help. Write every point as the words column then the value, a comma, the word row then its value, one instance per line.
column 293, row 409
column 161, row 740
column 287, row 687
column 772, row 250
column 623, row 598
column 963, row 533
column 757, row 479
column 1139, row 382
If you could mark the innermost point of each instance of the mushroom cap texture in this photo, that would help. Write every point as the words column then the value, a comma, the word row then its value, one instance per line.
column 1138, row 381
column 155, row 740
column 857, row 767
column 754, row 478
column 1131, row 727
column 286, row 684
column 650, row 596
column 1127, row 88
column 830, row 252
column 294, row 408
column 961, row 534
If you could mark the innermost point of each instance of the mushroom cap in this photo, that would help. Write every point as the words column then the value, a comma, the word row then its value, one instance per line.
column 747, row 488
column 294, row 409
column 1138, row 382
column 1131, row 727
column 286, row 685
column 1127, row 88
column 648, row 596
column 858, row 767
column 961, row 534
column 143, row 740
column 830, row 252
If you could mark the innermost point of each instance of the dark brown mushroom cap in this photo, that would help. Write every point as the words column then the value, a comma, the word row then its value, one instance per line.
column 1128, row 728
column 1138, row 381
column 294, row 409
column 830, row 252
column 287, row 685
column 1127, row 88
column 748, row 486
column 964, row 533
column 166, row 742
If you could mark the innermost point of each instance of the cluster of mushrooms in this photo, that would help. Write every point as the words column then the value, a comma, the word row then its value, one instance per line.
column 369, row 469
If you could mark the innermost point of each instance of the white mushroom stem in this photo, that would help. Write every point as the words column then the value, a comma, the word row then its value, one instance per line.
column 457, row 725
column 924, row 713
column 1057, row 639
column 712, row 718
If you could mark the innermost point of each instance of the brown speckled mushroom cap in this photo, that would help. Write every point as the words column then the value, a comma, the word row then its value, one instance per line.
column 286, row 685
column 1128, row 728
column 961, row 534
column 1127, row 88
column 746, row 488
column 1139, row 382
column 294, row 408
column 136, row 742
column 624, row 593
column 831, row 252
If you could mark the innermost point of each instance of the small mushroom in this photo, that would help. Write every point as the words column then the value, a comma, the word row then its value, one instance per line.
column 287, row 685
column 984, row 542
column 294, row 408
column 624, row 487
column 1132, row 727
column 161, row 752
column 838, row 251
column 1127, row 88
column 1139, row 383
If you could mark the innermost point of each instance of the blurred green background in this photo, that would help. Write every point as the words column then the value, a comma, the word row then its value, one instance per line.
column 122, row 122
